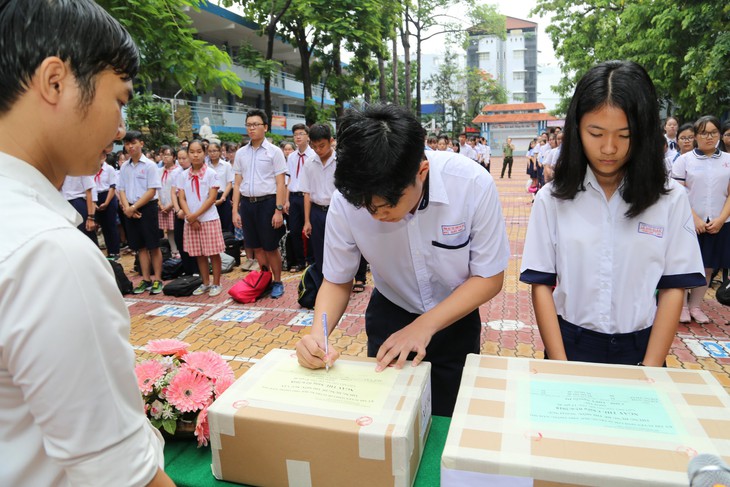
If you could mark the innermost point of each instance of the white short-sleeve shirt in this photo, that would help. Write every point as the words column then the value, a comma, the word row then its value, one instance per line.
column 168, row 177
column 196, row 187
column 259, row 168
column 76, row 186
column 607, row 266
column 295, row 164
column 70, row 409
column 318, row 179
column 706, row 179
column 136, row 179
column 224, row 170
column 106, row 178
column 458, row 232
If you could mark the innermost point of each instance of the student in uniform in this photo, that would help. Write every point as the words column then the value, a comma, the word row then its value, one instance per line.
column 258, row 197
column 705, row 172
column 224, row 171
column 294, row 206
column 610, row 230
column 139, row 180
column 166, row 211
column 190, row 265
column 318, row 185
column 203, row 237
column 79, row 190
column 430, row 225
column 107, row 203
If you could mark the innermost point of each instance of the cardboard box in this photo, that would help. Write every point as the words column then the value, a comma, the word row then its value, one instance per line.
column 524, row 422
column 283, row 425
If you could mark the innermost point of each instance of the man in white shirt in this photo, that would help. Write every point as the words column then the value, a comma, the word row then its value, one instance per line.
column 70, row 409
column 294, row 206
column 465, row 149
column 430, row 225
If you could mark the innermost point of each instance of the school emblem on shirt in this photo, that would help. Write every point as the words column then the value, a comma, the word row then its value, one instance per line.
column 453, row 229
column 654, row 230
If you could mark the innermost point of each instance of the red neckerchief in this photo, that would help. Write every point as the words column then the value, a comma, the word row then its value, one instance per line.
column 300, row 162
column 195, row 184
column 165, row 174
column 97, row 178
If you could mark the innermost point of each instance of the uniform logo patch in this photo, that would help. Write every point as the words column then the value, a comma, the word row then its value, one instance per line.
column 654, row 230
column 453, row 229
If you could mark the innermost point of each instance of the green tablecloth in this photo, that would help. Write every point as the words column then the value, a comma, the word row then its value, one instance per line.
column 189, row 466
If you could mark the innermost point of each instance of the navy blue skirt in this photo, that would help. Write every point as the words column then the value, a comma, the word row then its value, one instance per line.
column 715, row 248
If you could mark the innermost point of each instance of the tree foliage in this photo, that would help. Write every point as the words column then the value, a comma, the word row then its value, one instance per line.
column 685, row 47
column 154, row 119
column 171, row 53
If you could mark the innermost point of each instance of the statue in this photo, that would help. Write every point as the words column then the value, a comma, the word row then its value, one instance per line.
column 206, row 132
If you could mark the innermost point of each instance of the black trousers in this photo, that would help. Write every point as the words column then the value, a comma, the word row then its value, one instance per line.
column 296, row 223
column 190, row 264
column 318, row 219
column 107, row 220
column 507, row 162
column 80, row 205
column 447, row 350
column 225, row 213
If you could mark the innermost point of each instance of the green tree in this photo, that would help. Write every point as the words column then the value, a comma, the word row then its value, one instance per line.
column 481, row 89
column 448, row 86
column 153, row 118
column 171, row 53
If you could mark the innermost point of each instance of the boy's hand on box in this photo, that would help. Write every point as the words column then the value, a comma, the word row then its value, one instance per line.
column 412, row 338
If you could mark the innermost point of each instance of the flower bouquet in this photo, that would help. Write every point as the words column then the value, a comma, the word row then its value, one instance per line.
column 178, row 387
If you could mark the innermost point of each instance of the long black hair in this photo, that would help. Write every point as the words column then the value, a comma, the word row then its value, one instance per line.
column 624, row 85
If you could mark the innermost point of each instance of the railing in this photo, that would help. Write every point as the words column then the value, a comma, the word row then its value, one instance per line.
column 283, row 81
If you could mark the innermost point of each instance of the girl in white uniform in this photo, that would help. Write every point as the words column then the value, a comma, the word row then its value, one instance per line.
column 615, row 229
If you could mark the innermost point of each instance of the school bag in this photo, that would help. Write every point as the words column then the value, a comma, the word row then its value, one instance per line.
column 723, row 293
column 308, row 287
column 286, row 248
column 251, row 287
column 123, row 282
column 172, row 269
column 164, row 249
column 182, row 286
column 233, row 247
column 227, row 263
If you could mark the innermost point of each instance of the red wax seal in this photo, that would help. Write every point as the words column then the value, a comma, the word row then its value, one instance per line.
column 364, row 421
column 240, row 404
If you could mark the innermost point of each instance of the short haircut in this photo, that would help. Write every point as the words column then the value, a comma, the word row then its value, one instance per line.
column 624, row 85
column 299, row 126
column 685, row 126
column 444, row 137
column 165, row 148
column 195, row 141
column 432, row 139
column 379, row 153
column 79, row 32
column 701, row 124
column 463, row 133
column 320, row 131
column 255, row 112
column 133, row 135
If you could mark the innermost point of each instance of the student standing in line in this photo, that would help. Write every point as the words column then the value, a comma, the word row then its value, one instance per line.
column 166, row 213
column 224, row 171
column 430, row 225
column 294, row 206
column 190, row 265
column 202, row 237
column 610, row 230
column 79, row 190
column 107, row 206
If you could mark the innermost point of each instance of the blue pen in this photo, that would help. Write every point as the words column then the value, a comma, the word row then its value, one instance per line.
column 326, row 342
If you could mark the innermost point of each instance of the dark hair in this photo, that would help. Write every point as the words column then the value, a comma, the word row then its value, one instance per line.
column 300, row 126
column 624, row 85
column 195, row 141
column 670, row 117
column 463, row 133
column 255, row 112
column 320, row 131
column 379, row 152
column 444, row 137
column 79, row 32
column 701, row 124
column 725, row 127
column 284, row 143
column 164, row 148
column 133, row 135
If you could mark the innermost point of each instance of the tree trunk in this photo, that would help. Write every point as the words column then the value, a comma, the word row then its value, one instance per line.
column 395, row 69
column 382, row 93
column 271, row 35
column 418, row 75
column 339, row 102
column 405, row 40
column 310, row 110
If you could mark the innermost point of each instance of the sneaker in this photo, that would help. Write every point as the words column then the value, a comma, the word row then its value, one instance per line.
column 156, row 287
column 684, row 316
column 699, row 317
column 250, row 265
column 277, row 290
column 114, row 257
column 142, row 287
column 215, row 290
column 201, row 289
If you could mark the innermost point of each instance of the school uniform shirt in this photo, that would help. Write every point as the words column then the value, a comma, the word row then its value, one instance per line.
column 197, row 187
column 76, row 186
column 318, row 179
column 106, row 178
column 605, row 265
column 136, row 179
column 552, row 157
column 468, row 151
column 70, row 409
column 295, row 163
column 224, row 172
column 259, row 168
column 167, row 181
column 706, row 179
column 456, row 232
column 543, row 151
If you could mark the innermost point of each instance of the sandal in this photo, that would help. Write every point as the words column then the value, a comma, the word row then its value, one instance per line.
column 358, row 287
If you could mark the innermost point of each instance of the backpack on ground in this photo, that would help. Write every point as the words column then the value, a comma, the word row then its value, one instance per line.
column 172, row 269
column 308, row 287
column 227, row 263
column 233, row 247
column 251, row 287
column 182, row 286
column 164, row 250
column 123, row 282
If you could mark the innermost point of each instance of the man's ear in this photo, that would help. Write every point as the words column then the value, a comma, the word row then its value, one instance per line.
column 51, row 79
column 423, row 170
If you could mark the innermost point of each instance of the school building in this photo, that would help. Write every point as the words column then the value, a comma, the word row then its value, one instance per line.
column 520, row 121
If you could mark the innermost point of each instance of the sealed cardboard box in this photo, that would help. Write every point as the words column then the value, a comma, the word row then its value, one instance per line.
column 283, row 425
column 525, row 422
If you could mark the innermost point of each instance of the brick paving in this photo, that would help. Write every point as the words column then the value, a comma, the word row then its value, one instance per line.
column 245, row 333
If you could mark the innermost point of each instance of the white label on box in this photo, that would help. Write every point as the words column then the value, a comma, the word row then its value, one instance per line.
column 298, row 473
column 425, row 407
column 461, row 478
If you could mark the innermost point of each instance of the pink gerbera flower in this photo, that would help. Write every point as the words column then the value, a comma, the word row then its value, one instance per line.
column 223, row 383
column 148, row 372
column 202, row 429
column 210, row 364
column 189, row 391
column 167, row 346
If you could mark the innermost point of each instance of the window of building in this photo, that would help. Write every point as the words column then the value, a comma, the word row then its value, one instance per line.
column 519, row 54
column 484, row 56
column 518, row 75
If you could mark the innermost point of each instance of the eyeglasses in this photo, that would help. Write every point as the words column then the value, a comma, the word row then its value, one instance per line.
column 709, row 135
column 688, row 138
column 253, row 125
